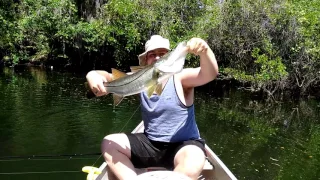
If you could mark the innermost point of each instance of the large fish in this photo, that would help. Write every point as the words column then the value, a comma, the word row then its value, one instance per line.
column 148, row 78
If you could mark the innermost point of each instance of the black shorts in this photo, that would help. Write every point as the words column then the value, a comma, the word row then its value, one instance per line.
column 148, row 153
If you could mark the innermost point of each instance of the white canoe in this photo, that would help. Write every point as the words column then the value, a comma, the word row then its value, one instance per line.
column 214, row 168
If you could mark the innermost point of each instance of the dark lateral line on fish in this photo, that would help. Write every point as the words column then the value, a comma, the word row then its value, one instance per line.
column 108, row 85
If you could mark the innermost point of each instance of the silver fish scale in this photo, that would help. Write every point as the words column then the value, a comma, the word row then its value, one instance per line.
column 134, row 83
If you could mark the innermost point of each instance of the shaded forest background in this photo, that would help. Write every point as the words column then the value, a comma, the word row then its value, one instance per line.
column 268, row 46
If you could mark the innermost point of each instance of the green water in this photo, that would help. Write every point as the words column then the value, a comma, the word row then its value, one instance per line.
column 47, row 113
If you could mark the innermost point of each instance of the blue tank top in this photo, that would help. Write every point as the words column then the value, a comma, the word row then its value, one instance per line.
column 166, row 118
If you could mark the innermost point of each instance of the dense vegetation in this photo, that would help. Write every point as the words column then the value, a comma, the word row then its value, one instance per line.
column 269, row 46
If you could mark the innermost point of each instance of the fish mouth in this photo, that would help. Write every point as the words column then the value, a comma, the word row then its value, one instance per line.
column 175, row 61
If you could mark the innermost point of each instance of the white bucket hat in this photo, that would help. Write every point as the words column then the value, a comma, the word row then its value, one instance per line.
column 155, row 42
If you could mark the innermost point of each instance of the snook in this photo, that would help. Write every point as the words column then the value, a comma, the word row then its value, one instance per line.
column 149, row 77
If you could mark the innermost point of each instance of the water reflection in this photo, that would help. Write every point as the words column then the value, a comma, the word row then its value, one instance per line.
column 263, row 141
column 47, row 113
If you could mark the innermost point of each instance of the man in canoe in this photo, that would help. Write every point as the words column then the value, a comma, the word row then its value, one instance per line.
column 171, row 138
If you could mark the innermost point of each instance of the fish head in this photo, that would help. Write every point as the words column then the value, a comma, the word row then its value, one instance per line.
column 173, row 61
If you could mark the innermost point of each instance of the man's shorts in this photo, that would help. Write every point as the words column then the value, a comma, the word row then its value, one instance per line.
column 148, row 153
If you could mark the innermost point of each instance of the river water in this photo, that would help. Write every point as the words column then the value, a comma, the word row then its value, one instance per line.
column 50, row 130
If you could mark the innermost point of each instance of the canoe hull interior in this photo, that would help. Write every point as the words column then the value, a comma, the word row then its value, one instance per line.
column 214, row 168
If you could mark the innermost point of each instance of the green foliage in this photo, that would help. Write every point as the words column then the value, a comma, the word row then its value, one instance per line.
column 7, row 17
column 307, row 13
column 270, row 69
column 283, row 32
column 121, row 20
column 239, row 75
column 265, row 42
column 35, row 26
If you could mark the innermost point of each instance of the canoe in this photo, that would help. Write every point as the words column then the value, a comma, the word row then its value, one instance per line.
column 214, row 168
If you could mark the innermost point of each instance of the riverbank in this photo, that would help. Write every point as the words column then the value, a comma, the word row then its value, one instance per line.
column 221, row 85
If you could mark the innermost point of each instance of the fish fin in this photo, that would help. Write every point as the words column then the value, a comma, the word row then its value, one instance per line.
column 136, row 68
column 159, row 89
column 151, row 90
column 117, row 99
column 116, row 74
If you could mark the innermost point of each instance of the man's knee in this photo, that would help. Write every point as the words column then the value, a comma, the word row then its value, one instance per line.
column 190, row 153
column 190, row 160
column 115, row 143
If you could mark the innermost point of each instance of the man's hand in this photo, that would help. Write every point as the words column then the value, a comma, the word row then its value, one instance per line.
column 197, row 46
column 95, row 81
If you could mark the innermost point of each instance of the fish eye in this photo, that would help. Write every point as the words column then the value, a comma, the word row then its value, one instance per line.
column 156, row 73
